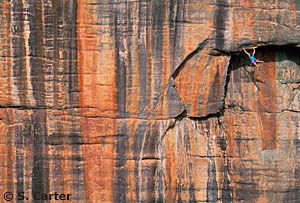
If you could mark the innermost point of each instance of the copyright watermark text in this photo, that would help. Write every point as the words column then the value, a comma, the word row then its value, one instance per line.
column 9, row 196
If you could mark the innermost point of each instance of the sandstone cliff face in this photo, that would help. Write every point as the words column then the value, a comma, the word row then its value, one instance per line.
column 150, row 101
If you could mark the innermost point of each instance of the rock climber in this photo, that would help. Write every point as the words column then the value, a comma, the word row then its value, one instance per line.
column 252, row 58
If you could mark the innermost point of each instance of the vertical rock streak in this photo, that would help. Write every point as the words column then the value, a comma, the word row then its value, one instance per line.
column 221, row 17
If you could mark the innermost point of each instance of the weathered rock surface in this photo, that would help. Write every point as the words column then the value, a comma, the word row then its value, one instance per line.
column 150, row 101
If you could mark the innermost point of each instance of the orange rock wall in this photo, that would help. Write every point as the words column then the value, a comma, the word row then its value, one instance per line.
column 150, row 101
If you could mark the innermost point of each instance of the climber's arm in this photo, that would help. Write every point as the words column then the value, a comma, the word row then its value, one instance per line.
column 253, row 50
column 246, row 52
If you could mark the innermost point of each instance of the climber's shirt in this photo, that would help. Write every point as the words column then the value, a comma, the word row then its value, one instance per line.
column 253, row 60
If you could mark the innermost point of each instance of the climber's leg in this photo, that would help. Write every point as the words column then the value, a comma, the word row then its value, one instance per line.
column 254, row 62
